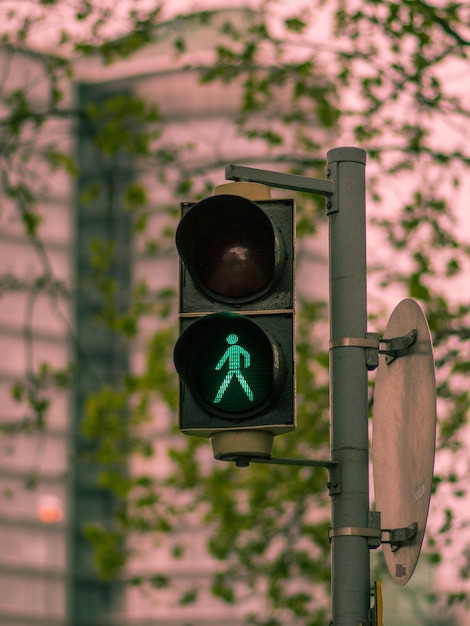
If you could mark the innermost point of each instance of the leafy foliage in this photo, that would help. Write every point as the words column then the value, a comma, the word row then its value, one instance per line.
column 379, row 75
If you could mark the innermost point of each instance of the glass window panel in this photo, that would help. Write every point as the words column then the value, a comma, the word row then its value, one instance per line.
column 26, row 593
column 35, row 453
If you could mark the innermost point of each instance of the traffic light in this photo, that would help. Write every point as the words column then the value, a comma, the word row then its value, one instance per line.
column 235, row 353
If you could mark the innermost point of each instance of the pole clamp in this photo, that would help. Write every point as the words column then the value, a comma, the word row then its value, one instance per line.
column 370, row 342
column 392, row 348
column 375, row 535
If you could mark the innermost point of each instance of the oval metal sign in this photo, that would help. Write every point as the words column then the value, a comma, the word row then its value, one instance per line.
column 404, row 435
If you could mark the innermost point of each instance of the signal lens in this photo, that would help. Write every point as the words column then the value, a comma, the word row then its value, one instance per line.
column 232, row 248
column 235, row 257
column 233, row 367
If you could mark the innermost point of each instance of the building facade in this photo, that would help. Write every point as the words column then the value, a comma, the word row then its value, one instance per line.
column 48, row 319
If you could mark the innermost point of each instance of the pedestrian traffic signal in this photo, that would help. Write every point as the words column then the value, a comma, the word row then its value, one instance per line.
column 232, row 366
column 235, row 353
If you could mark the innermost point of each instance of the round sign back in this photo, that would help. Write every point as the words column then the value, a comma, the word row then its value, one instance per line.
column 404, row 435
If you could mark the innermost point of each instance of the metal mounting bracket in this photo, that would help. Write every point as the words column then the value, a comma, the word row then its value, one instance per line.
column 375, row 535
column 294, row 182
column 399, row 536
column 397, row 345
column 333, row 467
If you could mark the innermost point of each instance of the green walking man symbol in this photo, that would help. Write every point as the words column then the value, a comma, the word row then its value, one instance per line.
column 233, row 355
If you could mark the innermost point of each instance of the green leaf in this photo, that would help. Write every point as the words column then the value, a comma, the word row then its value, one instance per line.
column 295, row 24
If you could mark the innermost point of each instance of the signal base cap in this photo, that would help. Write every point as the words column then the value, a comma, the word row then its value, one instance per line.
column 231, row 444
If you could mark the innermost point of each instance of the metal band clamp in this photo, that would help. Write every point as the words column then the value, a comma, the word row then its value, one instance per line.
column 376, row 536
column 355, row 342
column 394, row 347
column 352, row 531
column 370, row 342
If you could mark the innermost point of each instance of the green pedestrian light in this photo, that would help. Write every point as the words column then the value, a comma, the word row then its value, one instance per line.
column 234, row 355
column 233, row 368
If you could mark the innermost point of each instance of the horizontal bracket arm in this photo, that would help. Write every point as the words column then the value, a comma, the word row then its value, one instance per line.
column 280, row 180
column 333, row 467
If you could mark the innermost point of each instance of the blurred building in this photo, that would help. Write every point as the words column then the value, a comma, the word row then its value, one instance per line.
column 47, row 491
column 35, row 313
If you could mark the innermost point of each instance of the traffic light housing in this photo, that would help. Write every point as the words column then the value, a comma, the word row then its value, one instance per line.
column 235, row 353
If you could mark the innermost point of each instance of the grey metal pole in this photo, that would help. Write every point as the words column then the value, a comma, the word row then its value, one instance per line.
column 348, row 386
